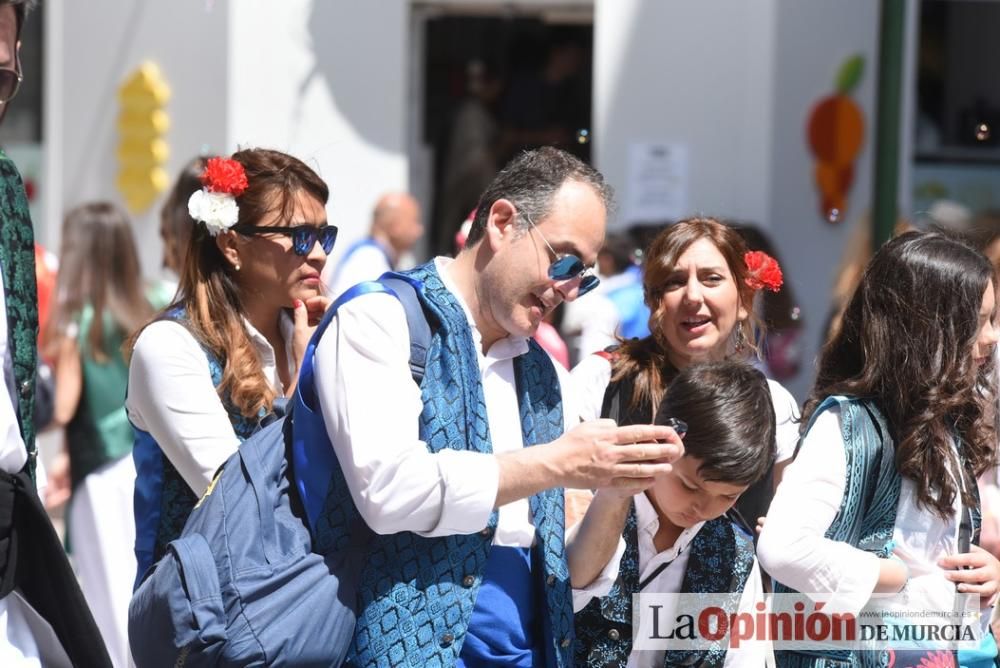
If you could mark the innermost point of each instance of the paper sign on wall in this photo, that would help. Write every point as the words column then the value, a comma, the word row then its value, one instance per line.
column 657, row 182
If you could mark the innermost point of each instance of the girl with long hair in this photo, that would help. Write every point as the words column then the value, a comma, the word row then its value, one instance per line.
column 699, row 282
column 901, row 420
column 100, row 301
column 214, row 366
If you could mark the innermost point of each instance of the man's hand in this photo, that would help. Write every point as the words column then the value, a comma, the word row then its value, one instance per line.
column 600, row 454
column 592, row 455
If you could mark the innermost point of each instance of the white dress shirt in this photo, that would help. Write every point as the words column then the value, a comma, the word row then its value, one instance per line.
column 793, row 547
column 590, row 378
column 171, row 396
column 371, row 408
column 26, row 639
column 670, row 581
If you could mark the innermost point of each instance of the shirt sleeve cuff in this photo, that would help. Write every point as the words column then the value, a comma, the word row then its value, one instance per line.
column 602, row 583
column 469, row 484
column 858, row 579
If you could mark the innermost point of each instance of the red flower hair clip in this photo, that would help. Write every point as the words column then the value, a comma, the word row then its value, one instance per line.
column 215, row 204
column 224, row 175
column 763, row 271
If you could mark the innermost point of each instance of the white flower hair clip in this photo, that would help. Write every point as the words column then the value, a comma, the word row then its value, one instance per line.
column 215, row 204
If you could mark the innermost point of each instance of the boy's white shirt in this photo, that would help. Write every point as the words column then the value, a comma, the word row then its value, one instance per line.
column 669, row 581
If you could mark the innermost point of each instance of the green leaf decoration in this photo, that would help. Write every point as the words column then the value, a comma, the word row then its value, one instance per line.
column 850, row 74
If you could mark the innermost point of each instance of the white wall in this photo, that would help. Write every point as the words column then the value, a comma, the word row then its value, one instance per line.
column 734, row 81
column 325, row 80
column 813, row 39
column 99, row 43
column 322, row 79
column 695, row 73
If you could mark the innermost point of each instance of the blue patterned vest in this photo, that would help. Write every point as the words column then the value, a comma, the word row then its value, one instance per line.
column 416, row 594
column 17, row 261
column 163, row 501
column 720, row 560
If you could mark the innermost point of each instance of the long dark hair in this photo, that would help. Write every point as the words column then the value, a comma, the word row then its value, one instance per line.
column 99, row 266
column 646, row 359
column 210, row 295
column 906, row 342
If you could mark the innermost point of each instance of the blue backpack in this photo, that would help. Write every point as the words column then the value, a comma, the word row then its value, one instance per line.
column 242, row 586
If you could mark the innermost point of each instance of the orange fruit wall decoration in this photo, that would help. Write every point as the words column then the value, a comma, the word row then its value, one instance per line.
column 836, row 132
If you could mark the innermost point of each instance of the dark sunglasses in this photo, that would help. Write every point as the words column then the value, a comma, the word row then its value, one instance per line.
column 566, row 267
column 10, row 81
column 303, row 236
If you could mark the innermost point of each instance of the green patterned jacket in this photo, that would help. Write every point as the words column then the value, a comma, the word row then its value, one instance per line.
column 17, row 261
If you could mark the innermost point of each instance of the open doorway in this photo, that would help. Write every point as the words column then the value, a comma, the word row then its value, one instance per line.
column 495, row 82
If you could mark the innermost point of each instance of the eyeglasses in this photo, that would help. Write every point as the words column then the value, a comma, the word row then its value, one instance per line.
column 10, row 81
column 567, row 266
column 303, row 236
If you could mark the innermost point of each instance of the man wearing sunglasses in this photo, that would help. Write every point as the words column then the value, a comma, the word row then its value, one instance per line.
column 44, row 619
column 466, row 565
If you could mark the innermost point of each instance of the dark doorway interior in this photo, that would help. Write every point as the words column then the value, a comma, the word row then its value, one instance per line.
column 496, row 85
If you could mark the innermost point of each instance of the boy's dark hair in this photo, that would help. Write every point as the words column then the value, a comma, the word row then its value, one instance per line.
column 730, row 418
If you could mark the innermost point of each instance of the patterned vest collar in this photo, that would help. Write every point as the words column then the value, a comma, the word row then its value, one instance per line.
column 17, row 258
column 720, row 560
column 428, row 586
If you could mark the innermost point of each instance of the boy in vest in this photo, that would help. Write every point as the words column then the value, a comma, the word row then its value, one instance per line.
column 460, row 479
column 676, row 537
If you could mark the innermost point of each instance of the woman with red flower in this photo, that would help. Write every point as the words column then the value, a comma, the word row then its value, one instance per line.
column 209, row 370
column 700, row 282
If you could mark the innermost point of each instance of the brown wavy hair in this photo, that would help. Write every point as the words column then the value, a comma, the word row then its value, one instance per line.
column 906, row 342
column 646, row 359
column 99, row 266
column 209, row 295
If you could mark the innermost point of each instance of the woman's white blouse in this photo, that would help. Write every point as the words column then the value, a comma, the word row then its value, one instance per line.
column 793, row 547
column 171, row 396
column 590, row 380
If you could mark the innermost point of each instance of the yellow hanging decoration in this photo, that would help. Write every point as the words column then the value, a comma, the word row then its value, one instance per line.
column 142, row 124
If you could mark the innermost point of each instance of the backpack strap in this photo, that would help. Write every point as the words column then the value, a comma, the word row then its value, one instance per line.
column 313, row 459
column 405, row 289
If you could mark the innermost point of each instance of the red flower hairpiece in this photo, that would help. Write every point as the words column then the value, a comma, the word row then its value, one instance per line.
column 763, row 271
column 224, row 175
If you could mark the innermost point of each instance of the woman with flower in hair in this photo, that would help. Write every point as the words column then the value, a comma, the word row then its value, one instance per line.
column 699, row 281
column 212, row 368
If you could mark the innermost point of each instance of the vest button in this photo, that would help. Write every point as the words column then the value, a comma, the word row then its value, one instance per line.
column 25, row 389
column 447, row 639
column 551, row 580
column 613, row 634
column 468, row 581
column 565, row 643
